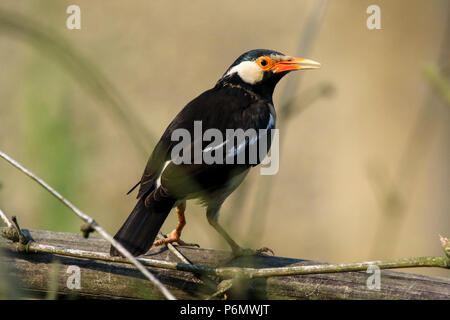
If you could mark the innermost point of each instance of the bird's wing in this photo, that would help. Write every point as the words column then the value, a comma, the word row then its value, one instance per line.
column 198, row 109
column 228, row 109
column 218, row 108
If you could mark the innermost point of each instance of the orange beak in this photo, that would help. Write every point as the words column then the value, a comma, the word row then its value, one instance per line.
column 295, row 64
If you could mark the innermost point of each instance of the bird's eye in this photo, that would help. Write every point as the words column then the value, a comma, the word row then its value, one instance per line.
column 264, row 63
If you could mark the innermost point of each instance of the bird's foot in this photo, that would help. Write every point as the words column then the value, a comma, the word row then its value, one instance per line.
column 239, row 252
column 174, row 237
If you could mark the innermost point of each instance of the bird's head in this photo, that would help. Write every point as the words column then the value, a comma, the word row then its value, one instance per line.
column 262, row 69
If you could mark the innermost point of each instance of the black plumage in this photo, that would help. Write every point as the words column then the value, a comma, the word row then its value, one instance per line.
column 233, row 103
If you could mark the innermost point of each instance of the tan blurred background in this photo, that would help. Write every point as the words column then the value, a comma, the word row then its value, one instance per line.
column 363, row 172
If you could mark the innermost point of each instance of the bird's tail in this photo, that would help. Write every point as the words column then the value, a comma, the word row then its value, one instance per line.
column 142, row 225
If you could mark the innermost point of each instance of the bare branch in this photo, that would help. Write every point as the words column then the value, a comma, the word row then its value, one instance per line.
column 5, row 219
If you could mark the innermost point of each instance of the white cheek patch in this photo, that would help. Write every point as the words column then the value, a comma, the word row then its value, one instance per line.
column 249, row 72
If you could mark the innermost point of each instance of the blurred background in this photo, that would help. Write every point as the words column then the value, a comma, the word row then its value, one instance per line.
column 364, row 160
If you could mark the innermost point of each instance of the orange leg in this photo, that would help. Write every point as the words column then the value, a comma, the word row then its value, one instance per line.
column 175, row 235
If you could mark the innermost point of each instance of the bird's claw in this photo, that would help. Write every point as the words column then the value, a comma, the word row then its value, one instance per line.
column 174, row 237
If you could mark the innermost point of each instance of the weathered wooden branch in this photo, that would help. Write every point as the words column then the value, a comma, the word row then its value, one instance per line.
column 108, row 279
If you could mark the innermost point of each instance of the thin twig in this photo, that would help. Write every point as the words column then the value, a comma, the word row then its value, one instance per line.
column 174, row 250
column 222, row 288
column 92, row 223
column 431, row 261
column 5, row 219
column 206, row 281
column 23, row 239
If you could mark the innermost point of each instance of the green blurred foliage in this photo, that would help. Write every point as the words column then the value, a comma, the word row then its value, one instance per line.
column 48, row 136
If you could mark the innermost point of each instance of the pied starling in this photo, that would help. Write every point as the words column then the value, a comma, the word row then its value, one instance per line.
column 241, row 99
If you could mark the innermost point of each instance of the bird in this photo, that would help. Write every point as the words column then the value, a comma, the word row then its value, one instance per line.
column 241, row 99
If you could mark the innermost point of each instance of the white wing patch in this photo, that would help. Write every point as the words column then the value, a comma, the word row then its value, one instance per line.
column 210, row 148
column 158, row 181
column 271, row 123
column 253, row 140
